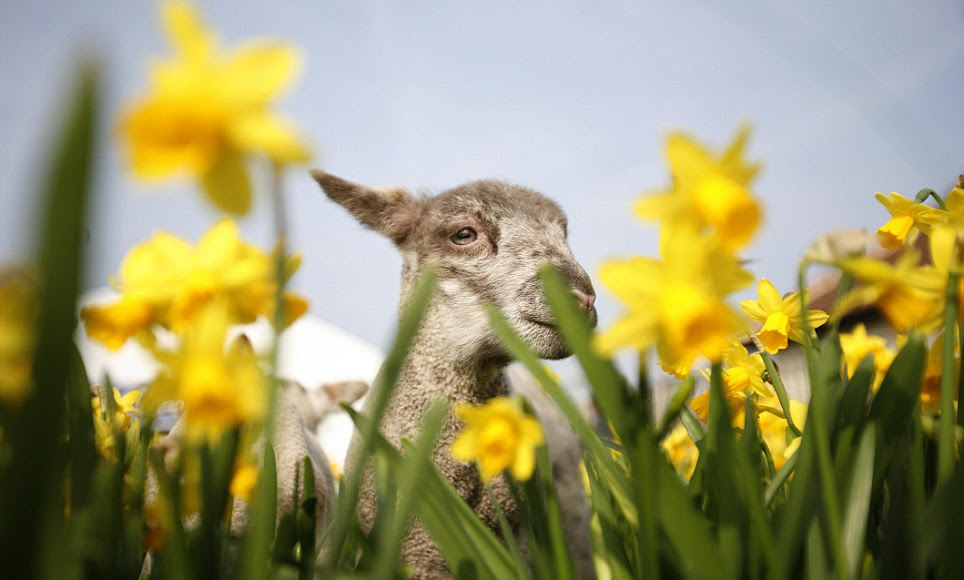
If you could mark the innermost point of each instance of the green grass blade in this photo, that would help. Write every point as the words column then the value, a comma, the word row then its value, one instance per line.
column 410, row 473
column 381, row 391
column 947, row 445
column 261, row 526
column 32, row 484
column 857, row 502
column 626, row 412
column 896, row 402
column 83, row 451
column 598, row 451
column 457, row 530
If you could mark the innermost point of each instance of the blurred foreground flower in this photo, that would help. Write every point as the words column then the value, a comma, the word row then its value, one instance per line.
column 780, row 316
column 207, row 109
column 907, row 294
column 858, row 345
column 220, row 390
column 165, row 281
column 707, row 191
column 18, row 315
column 498, row 435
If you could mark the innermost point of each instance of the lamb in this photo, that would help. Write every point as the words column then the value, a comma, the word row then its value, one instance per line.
column 488, row 240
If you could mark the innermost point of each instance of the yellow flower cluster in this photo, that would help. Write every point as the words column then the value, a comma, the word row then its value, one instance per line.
column 498, row 435
column 166, row 282
column 197, row 293
column 678, row 303
column 107, row 424
column 208, row 108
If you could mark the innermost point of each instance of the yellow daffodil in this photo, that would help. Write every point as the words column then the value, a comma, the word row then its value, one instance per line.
column 906, row 216
column 220, row 390
column 498, row 435
column 906, row 294
column 207, row 108
column 930, row 389
column 676, row 304
column 780, row 316
column 121, row 422
column 243, row 481
column 125, row 406
column 18, row 315
column 165, row 281
column 681, row 451
column 742, row 377
column 708, row 191
column 858, row 345
column 776, row 434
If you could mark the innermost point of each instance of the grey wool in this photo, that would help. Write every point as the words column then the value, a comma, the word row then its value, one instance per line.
column 487, row 239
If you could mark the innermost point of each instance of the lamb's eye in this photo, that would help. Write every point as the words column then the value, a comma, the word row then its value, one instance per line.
column 464, row 236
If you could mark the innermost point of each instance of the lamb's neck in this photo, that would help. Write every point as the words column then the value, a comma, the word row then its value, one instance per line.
column 434, row 369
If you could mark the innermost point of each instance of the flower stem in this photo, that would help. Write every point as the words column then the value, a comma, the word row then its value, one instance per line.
column 778, row 386
column 946, row 444
column 928, row 192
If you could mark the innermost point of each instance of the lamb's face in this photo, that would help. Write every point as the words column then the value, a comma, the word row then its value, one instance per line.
column 489, row 240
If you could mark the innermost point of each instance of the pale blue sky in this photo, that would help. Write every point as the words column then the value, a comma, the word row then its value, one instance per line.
column 571, row 98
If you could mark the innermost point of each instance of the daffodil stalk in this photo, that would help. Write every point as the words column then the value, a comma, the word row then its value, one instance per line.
column 778, row 386
column 923, row 194
column 946, row 444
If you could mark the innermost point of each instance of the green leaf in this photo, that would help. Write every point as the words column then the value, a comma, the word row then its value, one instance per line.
column 83, row 450
column 412, row 470
column 381, row 391
column 462, row 538
column 896, row 402
column 610, row 389
column 597, row 451
column 261, row 526
column 857, row 502
column 31, row 485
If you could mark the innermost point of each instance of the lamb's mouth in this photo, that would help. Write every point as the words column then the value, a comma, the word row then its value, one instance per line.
column 542, row 323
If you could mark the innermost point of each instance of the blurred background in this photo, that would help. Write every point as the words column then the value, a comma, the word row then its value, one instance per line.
column 570, row 98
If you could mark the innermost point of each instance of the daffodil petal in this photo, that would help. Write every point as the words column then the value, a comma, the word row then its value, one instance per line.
column 269, row 134
column 259, row 70
column 227, row 184
column 185, row 31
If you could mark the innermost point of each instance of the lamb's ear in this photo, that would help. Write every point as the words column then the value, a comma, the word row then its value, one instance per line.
column 392, row 212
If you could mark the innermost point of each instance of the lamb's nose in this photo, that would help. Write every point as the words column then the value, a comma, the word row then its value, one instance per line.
column 585, row 300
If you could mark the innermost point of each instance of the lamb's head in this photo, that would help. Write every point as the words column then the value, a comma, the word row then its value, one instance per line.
column 488, row 240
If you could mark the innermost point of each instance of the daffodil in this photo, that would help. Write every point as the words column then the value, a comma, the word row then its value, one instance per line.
column 165, row 281
column 708, row 191
column 775, row 432
column 498, row 435
column 121, row 422
column 681, row 451
column 930, row 389
column 677, row 304
column 243, row 480
column 742, row 377
column 858, row 345
column 207, row 109
column 125, row 406
column 18, row 315
column 906, row 216
column 780, row 316
column 220, row 390
column 907, row 294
